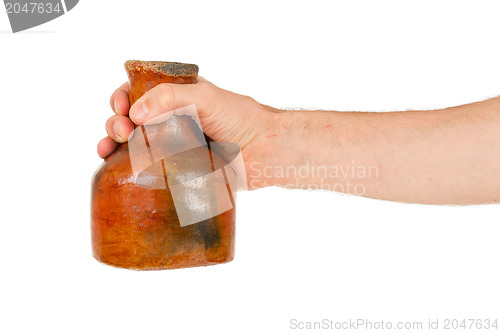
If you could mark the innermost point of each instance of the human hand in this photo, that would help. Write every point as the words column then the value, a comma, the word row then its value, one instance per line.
column 224, row 116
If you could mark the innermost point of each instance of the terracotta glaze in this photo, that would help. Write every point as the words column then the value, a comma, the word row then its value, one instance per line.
column 138, row 228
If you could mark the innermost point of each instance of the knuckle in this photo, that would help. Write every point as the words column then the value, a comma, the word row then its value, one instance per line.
column 166, row 96
column 148, row 103
column 109, row 121
column 109, row 125
column 209, row 89
column 112, row 100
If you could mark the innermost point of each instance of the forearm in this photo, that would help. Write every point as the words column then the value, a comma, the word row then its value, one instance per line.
column 449, row 156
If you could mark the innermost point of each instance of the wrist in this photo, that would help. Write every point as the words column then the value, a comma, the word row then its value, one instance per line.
column 261, row 153
column 286, row 141
column 309, row 149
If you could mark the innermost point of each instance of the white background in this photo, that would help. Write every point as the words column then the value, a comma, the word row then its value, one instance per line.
column 300, row 254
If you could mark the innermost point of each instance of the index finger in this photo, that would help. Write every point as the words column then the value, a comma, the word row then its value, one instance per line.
column 119, row 100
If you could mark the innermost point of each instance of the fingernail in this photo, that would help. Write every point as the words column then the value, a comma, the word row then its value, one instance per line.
column 116, row 109
column 117, row 129
column 140, row 112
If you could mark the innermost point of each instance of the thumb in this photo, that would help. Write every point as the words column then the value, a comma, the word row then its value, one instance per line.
column 166, row 97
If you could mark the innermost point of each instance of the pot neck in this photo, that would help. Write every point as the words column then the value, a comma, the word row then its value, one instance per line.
column 145, row 75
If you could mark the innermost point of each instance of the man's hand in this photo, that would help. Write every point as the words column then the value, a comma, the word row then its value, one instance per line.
column 224, row 116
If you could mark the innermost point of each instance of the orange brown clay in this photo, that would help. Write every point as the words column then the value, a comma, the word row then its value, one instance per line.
column 138, row 228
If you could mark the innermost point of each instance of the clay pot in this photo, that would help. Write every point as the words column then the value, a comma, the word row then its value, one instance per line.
column 138, row 227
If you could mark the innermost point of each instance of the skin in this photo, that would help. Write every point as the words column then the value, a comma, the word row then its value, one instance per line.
column 447, row 156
